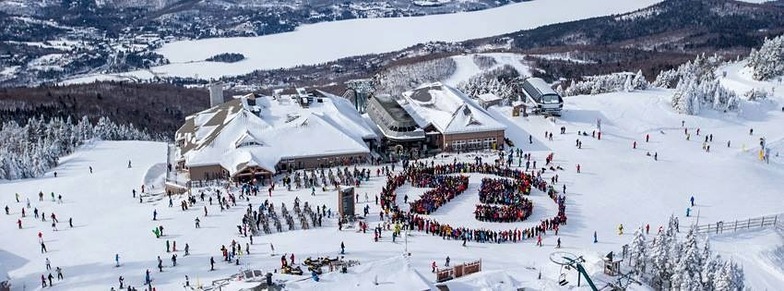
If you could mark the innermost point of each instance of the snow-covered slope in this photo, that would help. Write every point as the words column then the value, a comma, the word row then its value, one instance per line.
column 618, row 184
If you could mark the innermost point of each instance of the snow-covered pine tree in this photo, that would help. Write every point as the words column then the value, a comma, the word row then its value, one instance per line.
column 768, row 61
column 639, row 81
column 660, row 258
column 639, row 254
column 687, row 270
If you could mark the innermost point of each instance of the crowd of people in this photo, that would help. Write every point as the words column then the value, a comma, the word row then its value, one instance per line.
column 510, row 194
column 446, row 189
column 521, row 183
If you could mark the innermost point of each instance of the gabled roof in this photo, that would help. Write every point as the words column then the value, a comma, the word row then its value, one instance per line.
column 237, row 135
column 448, row 110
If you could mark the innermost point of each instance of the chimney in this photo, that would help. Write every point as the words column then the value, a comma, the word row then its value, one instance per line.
column 216, row 93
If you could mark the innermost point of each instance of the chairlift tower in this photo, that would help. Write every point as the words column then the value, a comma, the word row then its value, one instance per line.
column 568, row 261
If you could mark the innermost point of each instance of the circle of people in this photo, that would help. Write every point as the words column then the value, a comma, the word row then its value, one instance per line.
column 508, row 193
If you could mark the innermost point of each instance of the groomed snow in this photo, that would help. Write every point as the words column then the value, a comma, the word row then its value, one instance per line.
column 328, row 41
column 618, row 184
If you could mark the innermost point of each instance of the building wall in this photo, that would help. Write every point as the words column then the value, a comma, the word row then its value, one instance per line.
column 327, row 160
column 209, row 172
column 473, row 141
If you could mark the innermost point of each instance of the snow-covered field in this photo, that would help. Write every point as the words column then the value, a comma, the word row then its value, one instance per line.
column 327, row 41
column 617, row 184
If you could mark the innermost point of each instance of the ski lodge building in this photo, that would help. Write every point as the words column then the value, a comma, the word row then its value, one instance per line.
column 435, row 116
column 257, row 136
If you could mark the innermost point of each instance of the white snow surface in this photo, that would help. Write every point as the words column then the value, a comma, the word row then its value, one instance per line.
column 618, row 184
column 328, row 41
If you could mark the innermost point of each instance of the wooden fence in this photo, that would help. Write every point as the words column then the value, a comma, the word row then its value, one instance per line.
column 732, row 226
column 458, row 271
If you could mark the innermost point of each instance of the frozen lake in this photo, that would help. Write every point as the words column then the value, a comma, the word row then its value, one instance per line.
column 322, row 42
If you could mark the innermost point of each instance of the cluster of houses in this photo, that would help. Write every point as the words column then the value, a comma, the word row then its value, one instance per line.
column 256, row 136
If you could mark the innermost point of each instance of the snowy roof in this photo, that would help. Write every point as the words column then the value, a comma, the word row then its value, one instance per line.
column 448, row 110
column 251, row 131
column 488, row 97
column 395, row 273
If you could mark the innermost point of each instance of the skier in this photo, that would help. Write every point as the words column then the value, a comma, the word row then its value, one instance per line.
column 595, row 238
column 116, row 260
column 558, row 245
column 48, row 265
column 342, row 248
column 197, row 223
column 50, row 277
column 19, row 223
column 656, row 156
column 647, row 137
column 530, row 139
column 692, row 201
column 43, row 248
column 160, row 264
column 688, row 212
column 174, row 260
column 59, row 273
column 447, row 261
column 578, row 168
column 17, row 197
column 539, row 240
column 433, row 266
column 43, row 280
column 187, row 249
column 70, row 222
column 91, row 169
column 155, row 214
column 7, row 210
column 634, row 144
column 129, row 164
column 647, row 228
column 167, row 246
column 212, row 264
column 122, row 280
column 620, row 229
